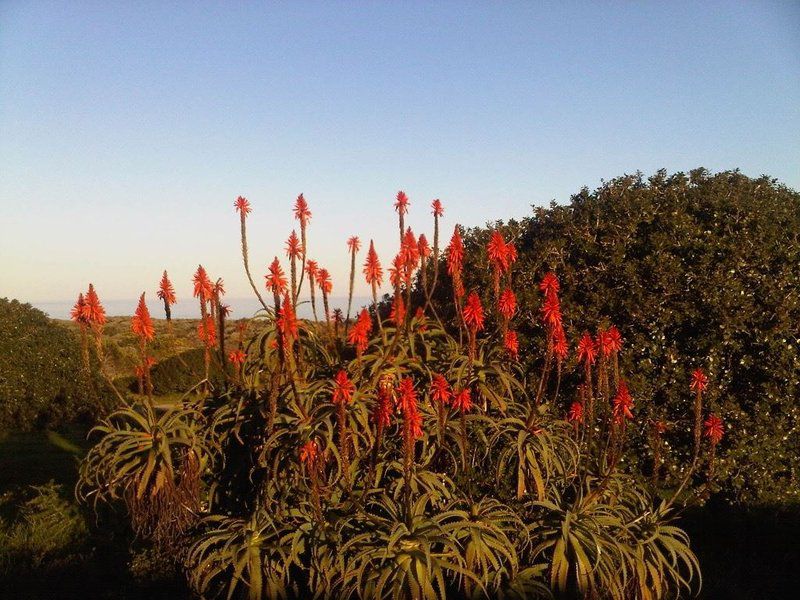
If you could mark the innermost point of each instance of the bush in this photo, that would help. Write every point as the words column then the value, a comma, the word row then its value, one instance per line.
column 392, row 458
column 42, row 382
column 179, row 373
column 47, row 532
column 696, row 270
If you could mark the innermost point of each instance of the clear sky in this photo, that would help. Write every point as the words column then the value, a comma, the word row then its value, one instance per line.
column 127, row 129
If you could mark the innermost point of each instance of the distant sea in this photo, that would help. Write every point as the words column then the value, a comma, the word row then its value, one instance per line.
column 190, row 309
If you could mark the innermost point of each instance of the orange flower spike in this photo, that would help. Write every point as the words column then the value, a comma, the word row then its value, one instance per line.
column 312, row 268
column 496, row 250
column 343, row 388
column 623, row 403
column 165, row 290
column 354, row 244
column 398, row 312
column 549, row 284
column 401, row 203
column 141, row 323
column 511, row 343
column 551, row 311
column 207, row 331
column 237, row 357
column 287, row 322
column 203, row 288
column 372, row 267
column 699, row 381
column 358, row 336
column 301, row 212
column 614, row 339
column 324, row 281
column 423, row 247
column 455, row 253
column 437, row 209
column 587, row 350
column 575, row 414
column 77, row 312
column 275, row 279
column 440, row 390
column 560, row 344
column 714, row 429
column 507, row 304
column 242, row 205
column 396, row 271
column 473, row 312
column 462, row 401
column 309, row 452
column 293, row 247
column 93, row 311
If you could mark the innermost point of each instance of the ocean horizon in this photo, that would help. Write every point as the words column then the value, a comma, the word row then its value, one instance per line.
column 190, row 309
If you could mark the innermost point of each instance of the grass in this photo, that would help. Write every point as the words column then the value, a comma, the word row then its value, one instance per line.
column 34, row 458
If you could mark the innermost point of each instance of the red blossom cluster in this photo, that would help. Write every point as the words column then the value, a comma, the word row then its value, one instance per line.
column 343, row 388
column 359, row 333
column 714, row 429
column 440, row 390
column 623, row 403
column 407, row 403
column 551, row 314
column 141, row 323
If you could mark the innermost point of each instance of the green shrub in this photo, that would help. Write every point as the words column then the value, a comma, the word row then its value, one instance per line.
column 178, row 373
column 42, row 382
column 46, row 531
column 696, row 270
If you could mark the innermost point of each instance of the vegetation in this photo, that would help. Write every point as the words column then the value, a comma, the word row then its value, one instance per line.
column 42, row 381
column 695, row 270
column 396, row 457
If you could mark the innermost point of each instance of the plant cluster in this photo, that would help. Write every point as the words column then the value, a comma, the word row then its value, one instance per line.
column 697, row 270
column 399, row 456
column 42, row 380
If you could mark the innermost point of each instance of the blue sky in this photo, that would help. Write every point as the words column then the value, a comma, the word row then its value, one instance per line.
column 128, row 129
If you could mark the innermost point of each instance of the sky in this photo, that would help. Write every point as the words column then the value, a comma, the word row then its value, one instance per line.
column 128, row 129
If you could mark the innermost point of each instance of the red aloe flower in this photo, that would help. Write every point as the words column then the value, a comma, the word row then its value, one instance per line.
column 714, row 429
column 575, row 414
column 455, row 253
column 312, row 268
column 396, row 271
column 165, row 290
column 551, row 311
column 560, row 344
column 77, row 312
column 623, row 403
column 423, row 246
column 440, row 390
column 275, row 279
column 462, row 401
column 507, row 304
column 382, row 415
column 406, row 395
column 354, row 244
column 401, row 204
column 549, row 284
column 699, row 381
column 301, row 212
column 587, row 351
column 203, row 288
column 614, row 339
column 141, row 323
column 309, row 452
column 237, row 357
column 343, row 388
column 497, row 251
column 511, row 343
column 409, row 254
column 414, row 424
column 242, row 205
column 207, row 331
column 473, row 312
column 225, row 310
column 398, row 312
column 421, row 319
column 438, row 210
column 372, row 267
column 93, row 311
column 359, row 334
column 293, row 247
column 604, row 343
column 324, row 281
column 287, row 321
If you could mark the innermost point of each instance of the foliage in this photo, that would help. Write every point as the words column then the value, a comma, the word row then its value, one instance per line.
column 42, row 382
column 696, row 270
column 393, row 458
column 46, row 531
